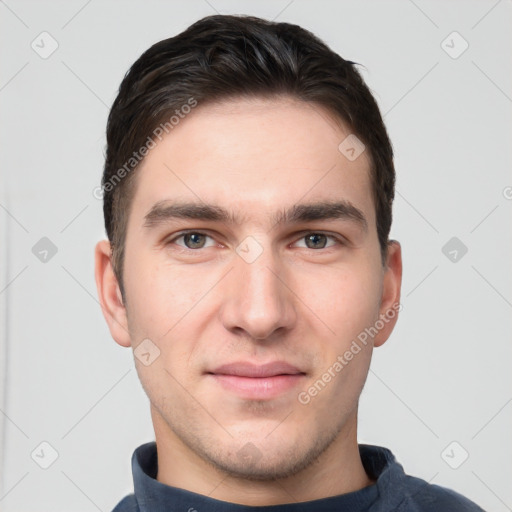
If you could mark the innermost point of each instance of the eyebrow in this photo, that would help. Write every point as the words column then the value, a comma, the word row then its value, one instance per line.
column 166, row 210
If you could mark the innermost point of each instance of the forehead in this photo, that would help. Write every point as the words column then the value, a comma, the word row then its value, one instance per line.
column 254, row 156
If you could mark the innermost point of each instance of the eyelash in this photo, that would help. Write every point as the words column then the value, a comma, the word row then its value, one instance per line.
column 339, row 240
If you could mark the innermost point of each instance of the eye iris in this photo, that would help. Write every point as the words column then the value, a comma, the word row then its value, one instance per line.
column 316, row 241
column 194, row 240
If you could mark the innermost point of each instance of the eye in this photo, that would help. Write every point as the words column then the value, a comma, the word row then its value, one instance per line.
column 193, row 240
column 318, row 241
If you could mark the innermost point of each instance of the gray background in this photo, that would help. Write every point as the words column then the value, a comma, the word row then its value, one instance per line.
column 443, row 377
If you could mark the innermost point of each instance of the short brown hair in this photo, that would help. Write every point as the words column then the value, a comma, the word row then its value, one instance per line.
column 221, row 57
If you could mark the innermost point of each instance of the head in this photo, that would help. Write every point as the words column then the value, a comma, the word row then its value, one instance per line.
column 270, row 151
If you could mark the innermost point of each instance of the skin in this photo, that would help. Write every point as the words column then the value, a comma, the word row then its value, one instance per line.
column 203, row 307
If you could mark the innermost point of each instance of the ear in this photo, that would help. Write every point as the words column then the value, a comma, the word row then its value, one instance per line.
column 391, row 287
column 109, row 294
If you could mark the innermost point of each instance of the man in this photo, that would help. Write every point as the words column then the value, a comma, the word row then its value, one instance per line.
column 248, row 188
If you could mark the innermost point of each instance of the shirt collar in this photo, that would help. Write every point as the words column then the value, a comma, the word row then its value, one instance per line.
column 152, row 495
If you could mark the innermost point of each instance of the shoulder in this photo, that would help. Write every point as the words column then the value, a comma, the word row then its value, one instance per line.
column 420, row 496
column 127, row 504
column 405, row 493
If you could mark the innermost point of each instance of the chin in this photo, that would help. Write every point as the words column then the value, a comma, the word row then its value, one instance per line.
column 268, row 456
column 251, row 463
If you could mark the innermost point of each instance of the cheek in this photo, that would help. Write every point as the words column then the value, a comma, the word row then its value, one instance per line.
column 346, row 298
column 165, row 307
column 158, row 293
column 354, row 309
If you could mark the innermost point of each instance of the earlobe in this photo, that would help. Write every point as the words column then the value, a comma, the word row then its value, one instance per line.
column 391, row 288
column 109, row 294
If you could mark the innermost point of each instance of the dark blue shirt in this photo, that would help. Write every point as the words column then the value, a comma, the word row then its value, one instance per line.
column 394, row 491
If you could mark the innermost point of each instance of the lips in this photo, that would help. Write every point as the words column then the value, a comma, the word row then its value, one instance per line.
column 257, row 382
column 247, row 369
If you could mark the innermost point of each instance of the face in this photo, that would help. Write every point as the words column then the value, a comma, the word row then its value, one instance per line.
column 252, row 269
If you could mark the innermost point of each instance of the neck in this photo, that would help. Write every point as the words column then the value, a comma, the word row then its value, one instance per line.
column 338, row 470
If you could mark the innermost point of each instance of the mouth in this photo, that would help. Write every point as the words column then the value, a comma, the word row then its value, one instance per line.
column 258, row 382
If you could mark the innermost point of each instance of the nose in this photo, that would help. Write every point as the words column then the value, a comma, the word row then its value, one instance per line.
column 258, row 300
